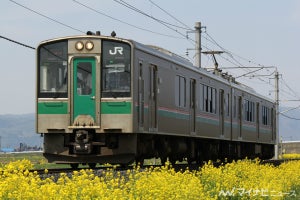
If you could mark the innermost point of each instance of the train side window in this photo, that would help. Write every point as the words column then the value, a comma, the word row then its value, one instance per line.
column 249, row 109
column 214, row 100
column 227, row 105
column 266, row 115
column 201, row 97
column 180, row 91
column 253, row 112
column 207, row 99
column 234, row 107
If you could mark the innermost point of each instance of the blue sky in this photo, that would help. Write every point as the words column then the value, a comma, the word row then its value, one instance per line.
column 256, row 32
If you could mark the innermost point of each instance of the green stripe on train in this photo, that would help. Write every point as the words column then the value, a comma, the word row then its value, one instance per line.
column 52, row 108
column 116, row 107
column 106, row 108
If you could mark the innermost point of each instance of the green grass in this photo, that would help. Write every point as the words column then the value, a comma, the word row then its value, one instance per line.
column 40, row 162
column 35, row 158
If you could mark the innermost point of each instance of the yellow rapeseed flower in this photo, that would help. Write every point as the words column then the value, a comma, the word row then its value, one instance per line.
column 246, row 179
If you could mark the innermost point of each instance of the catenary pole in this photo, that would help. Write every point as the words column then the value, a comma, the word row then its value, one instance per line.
column 277, row 114
column 198, row 44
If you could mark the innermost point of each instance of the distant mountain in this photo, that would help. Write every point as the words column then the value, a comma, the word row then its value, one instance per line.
column 16, row 129
column 289, row 124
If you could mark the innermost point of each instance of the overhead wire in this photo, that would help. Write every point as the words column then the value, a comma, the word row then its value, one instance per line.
column 293, row 118
column 187, row 27
column 293, row 93
column 237, row 63
column 124, row 3
column 49, row 18
column 169, row 26
column 232, row 55
column 121, row 21
column 16, row 42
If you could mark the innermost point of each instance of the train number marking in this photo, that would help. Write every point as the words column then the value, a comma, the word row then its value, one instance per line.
column 116, row 50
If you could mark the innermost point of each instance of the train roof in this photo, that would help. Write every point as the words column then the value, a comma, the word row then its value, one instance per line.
column 176, row 59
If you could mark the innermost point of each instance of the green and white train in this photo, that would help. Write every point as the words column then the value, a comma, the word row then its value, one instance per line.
column 105, row 99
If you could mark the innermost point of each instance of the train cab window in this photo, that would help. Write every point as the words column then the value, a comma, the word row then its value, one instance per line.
column 116, row 70
column 52, row 70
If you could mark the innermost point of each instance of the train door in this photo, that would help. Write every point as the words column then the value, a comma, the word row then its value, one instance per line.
column 84, row 78
column 240, row 103
column 192, row 106
column 233, row 113
column 222, row 112
column 257, row 120
column 141, row 98
column 153, row 98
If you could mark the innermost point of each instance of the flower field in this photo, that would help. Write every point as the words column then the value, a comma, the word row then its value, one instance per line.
column 290, row 156
column 245, row 179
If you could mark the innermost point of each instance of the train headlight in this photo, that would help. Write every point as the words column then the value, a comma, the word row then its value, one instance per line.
column 79, row 45
column 89, row 45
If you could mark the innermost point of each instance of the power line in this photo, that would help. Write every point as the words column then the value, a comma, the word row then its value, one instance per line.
column 19, row 43
column 290, row 89
column 121, row 21
column 49, row 18
column 237, row 63
column 212, row 40
column 168, row 25
column 293, row 118
column 124, row 3
column 187, row 27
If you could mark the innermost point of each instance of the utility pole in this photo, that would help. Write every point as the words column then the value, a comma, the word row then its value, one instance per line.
column 277, row 113
column 197, row 48
column 198, row 44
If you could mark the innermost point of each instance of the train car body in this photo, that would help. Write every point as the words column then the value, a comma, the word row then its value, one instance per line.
column 110, row 100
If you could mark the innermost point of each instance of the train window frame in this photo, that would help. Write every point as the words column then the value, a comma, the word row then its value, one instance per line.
column 52, row 70
column 115, row 71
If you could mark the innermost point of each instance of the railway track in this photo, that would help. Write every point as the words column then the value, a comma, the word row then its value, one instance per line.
column 52, row 171
column 277, row 162
column 177, row 167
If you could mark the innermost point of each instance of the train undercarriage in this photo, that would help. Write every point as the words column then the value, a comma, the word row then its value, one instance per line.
column 86, row 147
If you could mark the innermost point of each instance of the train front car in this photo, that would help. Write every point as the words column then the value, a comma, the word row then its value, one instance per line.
column 84, row 100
